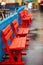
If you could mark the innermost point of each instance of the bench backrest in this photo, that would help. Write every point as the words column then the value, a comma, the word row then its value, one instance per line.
column 23, row 13
column 15, row 26
column 7, row 34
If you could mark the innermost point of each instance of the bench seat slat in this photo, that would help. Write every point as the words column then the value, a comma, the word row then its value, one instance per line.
column 18, row 43
column 23, row 31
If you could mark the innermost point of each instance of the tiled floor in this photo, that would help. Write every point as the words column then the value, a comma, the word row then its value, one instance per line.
column 35, row 50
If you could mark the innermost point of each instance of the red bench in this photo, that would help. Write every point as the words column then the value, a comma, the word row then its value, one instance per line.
column 15, row 48
column 25, row 17
column 19, row 31
column 27, row 14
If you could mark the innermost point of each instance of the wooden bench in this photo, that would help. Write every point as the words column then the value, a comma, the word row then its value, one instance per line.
column 19, row 31
column 15, row 48
column 25, row 17
column 27, row 14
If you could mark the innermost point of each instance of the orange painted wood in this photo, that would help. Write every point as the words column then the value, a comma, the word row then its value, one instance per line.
column 8, row 35
column 18, row 44
column 26, row 18
column 19, row 30
column 24, row 30
column 6, row 30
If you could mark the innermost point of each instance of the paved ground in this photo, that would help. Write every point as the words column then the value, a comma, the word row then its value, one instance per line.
column 35, row 50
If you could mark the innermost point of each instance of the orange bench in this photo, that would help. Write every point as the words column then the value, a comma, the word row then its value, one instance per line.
column 15, row 48
column 27, row 14
column 19, row 31
column 25, row 17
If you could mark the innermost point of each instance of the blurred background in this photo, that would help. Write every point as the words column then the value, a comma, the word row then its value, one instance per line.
column 11, row 6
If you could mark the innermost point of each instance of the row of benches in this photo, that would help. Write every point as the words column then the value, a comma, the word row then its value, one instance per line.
column 17, row 43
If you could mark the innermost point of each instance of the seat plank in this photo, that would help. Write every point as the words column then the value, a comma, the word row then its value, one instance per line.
column 18, row 44
column 25, row 31
column 14, row 43
column 20, row 31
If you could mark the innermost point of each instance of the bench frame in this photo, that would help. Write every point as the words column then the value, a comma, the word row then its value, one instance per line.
column 25, row 17
column 7, row 34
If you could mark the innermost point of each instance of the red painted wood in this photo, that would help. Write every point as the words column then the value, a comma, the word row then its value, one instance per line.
column 25, row 17
column 15, row 48
column 19, row 30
